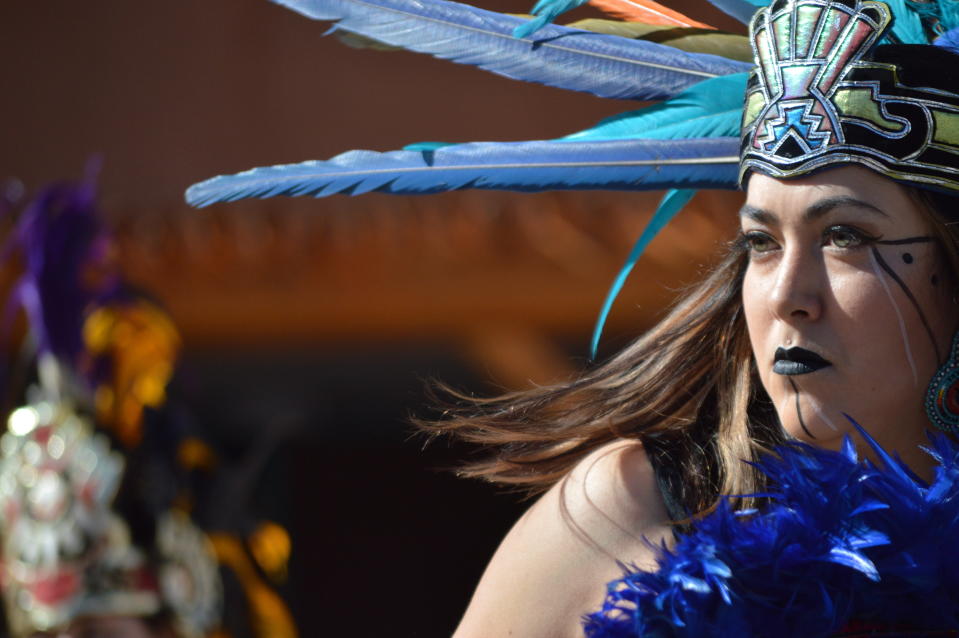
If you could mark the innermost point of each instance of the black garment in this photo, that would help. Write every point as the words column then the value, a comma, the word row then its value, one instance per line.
column 669, row 482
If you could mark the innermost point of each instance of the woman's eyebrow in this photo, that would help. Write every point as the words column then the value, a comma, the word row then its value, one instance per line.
column 823, row 206
column 760, row 215
column 814, row 212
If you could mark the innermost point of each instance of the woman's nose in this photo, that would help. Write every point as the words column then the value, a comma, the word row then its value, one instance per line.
column 797, row 293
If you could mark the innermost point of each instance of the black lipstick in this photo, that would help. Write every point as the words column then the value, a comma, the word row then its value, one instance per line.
column 793, row 361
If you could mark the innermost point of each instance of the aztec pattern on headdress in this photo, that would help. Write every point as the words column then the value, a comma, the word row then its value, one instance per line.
column 820, row 97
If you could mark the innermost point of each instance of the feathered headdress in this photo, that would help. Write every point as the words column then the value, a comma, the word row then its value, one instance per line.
column 97, row 479
column 69, row 549
column 689, row 139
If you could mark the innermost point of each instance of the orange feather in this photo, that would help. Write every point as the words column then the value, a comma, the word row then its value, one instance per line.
column 646, row 11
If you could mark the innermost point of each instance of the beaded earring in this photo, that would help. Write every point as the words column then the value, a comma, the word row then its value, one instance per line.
column 942, row 396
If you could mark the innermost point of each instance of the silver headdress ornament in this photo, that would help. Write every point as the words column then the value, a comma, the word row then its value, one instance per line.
column 825, row 94
column 70, row 551
column 67, row 554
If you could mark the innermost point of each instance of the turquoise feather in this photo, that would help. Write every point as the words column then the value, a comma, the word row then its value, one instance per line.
column 712, row 108
column 948, row 14
column 742, row 10
column 907, row 25
column 545, row 11
column 944, row 14
column 671, row 204
column 426, row 146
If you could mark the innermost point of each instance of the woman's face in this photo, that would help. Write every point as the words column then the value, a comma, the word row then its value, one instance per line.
column 848, row 304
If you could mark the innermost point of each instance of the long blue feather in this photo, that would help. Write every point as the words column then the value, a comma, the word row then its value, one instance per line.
column 671, row 204
column 712, row 108
column 522, row 166
column 573, row 59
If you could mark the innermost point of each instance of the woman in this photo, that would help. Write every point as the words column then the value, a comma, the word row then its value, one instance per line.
column 837, row 303
column 813, row 328
column 837, row 299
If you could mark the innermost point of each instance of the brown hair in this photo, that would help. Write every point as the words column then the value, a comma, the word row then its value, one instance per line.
column 942, row 213
column 688, row 389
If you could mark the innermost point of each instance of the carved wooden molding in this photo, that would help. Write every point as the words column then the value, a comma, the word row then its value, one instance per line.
column 385, row 267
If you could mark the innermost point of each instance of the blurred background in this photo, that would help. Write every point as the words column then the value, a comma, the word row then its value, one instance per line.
column 315, row 325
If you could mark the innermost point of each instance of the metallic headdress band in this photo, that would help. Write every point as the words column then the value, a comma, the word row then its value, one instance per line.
column 823, row 94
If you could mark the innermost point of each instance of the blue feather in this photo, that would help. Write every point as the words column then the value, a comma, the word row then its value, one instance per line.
column 671, row 204
column 841, row 540
column 949, row 40
column 522, row 166
column 713, row 108
column 890, row 464
column 604, row 65
column 854, row 560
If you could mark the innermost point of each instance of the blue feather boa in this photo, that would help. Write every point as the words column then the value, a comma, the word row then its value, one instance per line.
column 843, row 542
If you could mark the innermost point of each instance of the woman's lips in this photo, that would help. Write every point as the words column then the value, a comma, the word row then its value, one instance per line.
column 793, row 361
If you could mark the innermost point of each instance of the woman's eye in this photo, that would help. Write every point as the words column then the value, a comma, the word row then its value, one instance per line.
column 844, row 237
column 758, row 242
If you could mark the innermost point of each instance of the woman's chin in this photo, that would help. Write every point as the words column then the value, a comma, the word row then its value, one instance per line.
column 810, row 419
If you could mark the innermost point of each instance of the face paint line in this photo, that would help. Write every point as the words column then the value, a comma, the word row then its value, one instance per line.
column 822, row 416
column 802, row 422
column 912, row 299
column 895, row 307
column 906, row 240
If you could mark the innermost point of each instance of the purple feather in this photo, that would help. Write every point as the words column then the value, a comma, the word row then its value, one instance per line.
column 64, row 248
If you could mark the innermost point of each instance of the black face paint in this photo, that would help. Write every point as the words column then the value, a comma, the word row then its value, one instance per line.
column 912, row 298
column 802, row 422
column 904, row 241
column 907, row 257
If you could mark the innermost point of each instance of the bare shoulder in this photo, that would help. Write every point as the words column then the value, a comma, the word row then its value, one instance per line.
column 554, row 564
